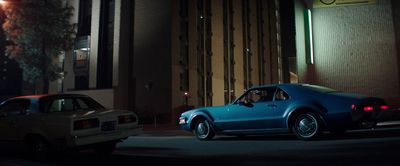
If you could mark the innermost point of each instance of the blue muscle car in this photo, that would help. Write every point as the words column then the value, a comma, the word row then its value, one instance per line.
column 303, row 109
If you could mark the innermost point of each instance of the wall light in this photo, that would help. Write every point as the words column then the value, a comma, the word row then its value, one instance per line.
column 309, row 36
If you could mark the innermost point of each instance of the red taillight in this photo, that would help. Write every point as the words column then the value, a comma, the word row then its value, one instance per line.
column 126, row 119
column 368, row 108
column 86, row 124
column 384, row 107
column 353, row 107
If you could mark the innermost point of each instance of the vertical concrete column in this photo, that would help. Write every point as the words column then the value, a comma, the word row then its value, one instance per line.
column 254, row 44
column 117, row 25
column 238, row 50
column 124, row 92
column 274, row 55
column 217, row 59
column 94, row 43
column 193, row 74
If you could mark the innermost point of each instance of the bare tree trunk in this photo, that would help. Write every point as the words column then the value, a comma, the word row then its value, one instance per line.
column 45, row 86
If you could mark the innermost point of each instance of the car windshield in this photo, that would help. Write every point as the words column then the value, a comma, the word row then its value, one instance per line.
column 69, row 104
column 319, row 88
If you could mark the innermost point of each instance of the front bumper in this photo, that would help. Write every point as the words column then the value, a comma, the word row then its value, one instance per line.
column 185, row 125
column 82, row 140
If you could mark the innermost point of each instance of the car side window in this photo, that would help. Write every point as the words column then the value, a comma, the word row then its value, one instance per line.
column 81, row 104
column 281, row 95
column 15, row 107
column 259, row 95
column 68, row 104
column 60, row 105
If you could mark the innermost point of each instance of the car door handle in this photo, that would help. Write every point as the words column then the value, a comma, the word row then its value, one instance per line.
column 271, row 105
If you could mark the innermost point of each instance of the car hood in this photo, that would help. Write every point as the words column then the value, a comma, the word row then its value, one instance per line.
column 202, row 109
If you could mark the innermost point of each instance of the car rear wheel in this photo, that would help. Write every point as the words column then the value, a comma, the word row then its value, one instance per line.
column 203, row 130
column 306, row 126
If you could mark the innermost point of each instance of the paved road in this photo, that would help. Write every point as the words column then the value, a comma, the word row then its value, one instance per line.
column 376, row 147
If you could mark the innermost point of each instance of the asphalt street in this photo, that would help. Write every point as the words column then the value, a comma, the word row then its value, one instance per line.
column 366, row 147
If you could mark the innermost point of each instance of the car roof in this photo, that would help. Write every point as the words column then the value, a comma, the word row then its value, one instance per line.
column 39, row 96
column 271, row 85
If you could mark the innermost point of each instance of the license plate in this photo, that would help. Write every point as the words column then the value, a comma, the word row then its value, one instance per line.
column 108, row 126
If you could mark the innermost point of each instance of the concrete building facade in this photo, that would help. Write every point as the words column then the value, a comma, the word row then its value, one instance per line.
column 161, row 57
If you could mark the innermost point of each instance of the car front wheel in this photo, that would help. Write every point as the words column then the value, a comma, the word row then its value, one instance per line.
column 306, row 126
column 203, row 130
column 37, row 148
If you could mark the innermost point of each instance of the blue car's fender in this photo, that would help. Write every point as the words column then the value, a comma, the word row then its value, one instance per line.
column 304, row 106
column 197, row 114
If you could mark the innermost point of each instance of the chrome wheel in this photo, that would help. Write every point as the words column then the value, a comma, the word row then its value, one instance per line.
column 203, row 130
column 306, row 126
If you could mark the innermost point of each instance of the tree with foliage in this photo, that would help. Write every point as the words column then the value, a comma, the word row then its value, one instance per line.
column 39, row 31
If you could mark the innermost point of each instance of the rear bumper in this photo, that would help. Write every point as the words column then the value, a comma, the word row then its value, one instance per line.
column 370, row 119
column 389, row 115
column 117, row 135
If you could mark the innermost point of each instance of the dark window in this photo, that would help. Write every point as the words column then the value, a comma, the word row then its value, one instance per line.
column 82, row 45
column 259, row 95
column 204, row 52
column 281, row 95
column 15, row 107
column 184, row 46
column 69, row 104
column 106, row 44
column 247, row 52
column 229, row 59
column 84, row 18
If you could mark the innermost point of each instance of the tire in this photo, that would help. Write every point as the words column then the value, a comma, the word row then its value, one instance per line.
column 202, row 130
column 105, row 149
column 37, row 148
column 306, row 126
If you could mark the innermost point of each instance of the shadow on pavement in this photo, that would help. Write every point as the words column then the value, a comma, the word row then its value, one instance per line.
column 326, row 136
column 352, row 152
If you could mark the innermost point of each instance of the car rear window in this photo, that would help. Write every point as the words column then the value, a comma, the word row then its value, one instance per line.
column 69, row 104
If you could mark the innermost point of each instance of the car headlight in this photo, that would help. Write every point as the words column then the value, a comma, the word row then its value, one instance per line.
column 182, row 120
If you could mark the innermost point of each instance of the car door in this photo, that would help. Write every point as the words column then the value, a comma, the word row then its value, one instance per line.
column 281, row 103
column 252, row 111
column 11, row 113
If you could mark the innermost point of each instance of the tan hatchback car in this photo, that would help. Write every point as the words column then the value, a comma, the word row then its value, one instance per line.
column 45, row 123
